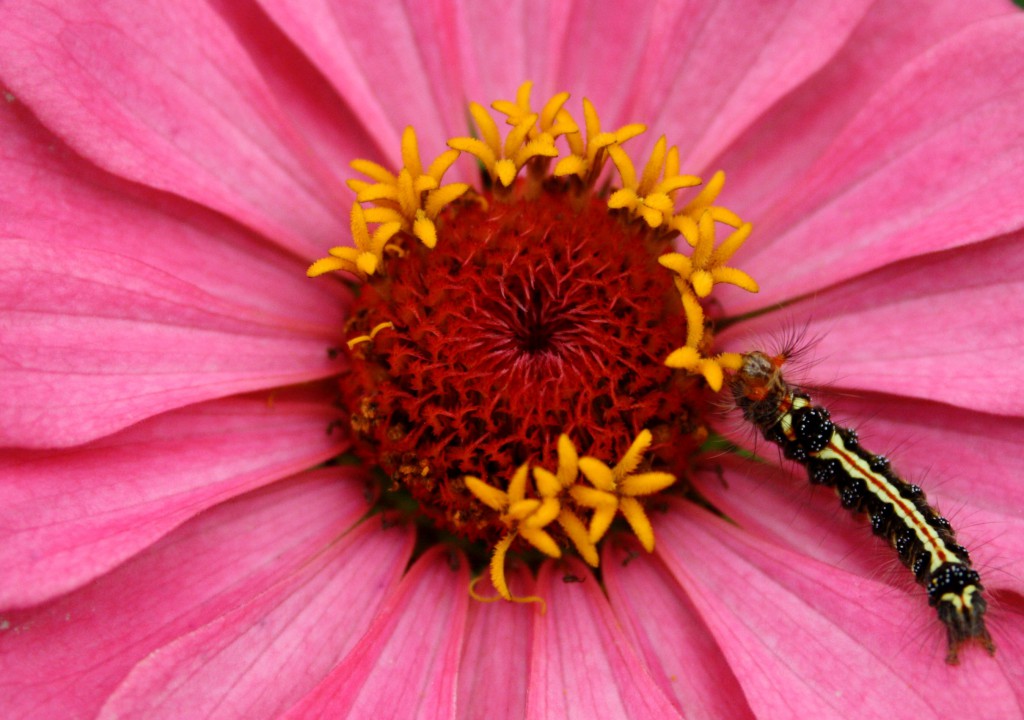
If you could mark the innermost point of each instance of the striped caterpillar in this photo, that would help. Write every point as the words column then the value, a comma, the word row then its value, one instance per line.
column 865, row 482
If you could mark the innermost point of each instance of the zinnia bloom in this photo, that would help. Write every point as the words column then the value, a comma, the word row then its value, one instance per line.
column 184, row 525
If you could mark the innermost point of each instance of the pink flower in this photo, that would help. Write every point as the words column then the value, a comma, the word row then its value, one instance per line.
column 170, row 541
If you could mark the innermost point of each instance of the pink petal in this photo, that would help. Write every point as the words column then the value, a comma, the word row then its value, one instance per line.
column 493, row 677
column 671, row 638
column 583, row 665
column 804, row 122
column 805, row 638
column 68, row 516
column 55, row 197
column 262, row 657
column 966, row 461
column 369, row 53
column 333, row 131
column 529, row 39
column 164, row 94
column 705, row 78
column 651, row 73
column 406, row 664
column 1006, row 620
column 967, row 457
column 95, row 341
column 946, row 327
column 934, row 160
column 64, row 658
column 599, row 59
column 780, row 506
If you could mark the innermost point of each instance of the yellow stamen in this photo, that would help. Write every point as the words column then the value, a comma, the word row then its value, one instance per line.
column 503, row 161
column 577, row 533
column 517, row 485
column 373, row 333
column 706, row 266
column 696, row 277
column 548, row 484
column 634, row 455
column 412, row 198
column 498, row 577
column 616, row 490
column 703, row 203
column 612, row 490
column 650, row 198
column 498, row 566
column 489, row 495
column 634, row 513
column 588, row 159
column 363, row 259
column 689, row 359
column 408, row 201
column 568, row 461
column 553, row 120
column 543, row 515
column 507, row 593
column 525, row 517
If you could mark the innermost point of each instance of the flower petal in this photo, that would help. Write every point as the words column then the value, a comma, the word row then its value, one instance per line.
column 805, row 639
column 67, row 656
column 937, row 155
column 54, row 196
column 703, row 88
column 948, row 326
column 407, row 661
column 582, row 664
column 370, row 54
column 94, row 341
column 164, row 94
column 972, row 458
column 801, row 125
column 529, row 39
column 493, row 679
column 602, row 55
column 258, row 660
column 67, row 516
column 675, row 644
column 779, row 505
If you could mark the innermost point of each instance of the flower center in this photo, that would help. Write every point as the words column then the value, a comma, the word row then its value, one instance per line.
column 529, row 319
column 500, row 332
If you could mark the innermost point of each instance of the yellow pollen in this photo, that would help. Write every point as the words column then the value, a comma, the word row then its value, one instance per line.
column 706, row 265
column 525, row 517
column 696, row 276
column 411, row 200
column 498, row 579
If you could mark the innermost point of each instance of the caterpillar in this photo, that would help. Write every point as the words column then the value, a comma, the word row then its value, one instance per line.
column 866, row 483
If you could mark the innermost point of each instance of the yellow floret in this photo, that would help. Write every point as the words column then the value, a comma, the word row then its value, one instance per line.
column 615, row 491
column 503, row 161
column 650, row 197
